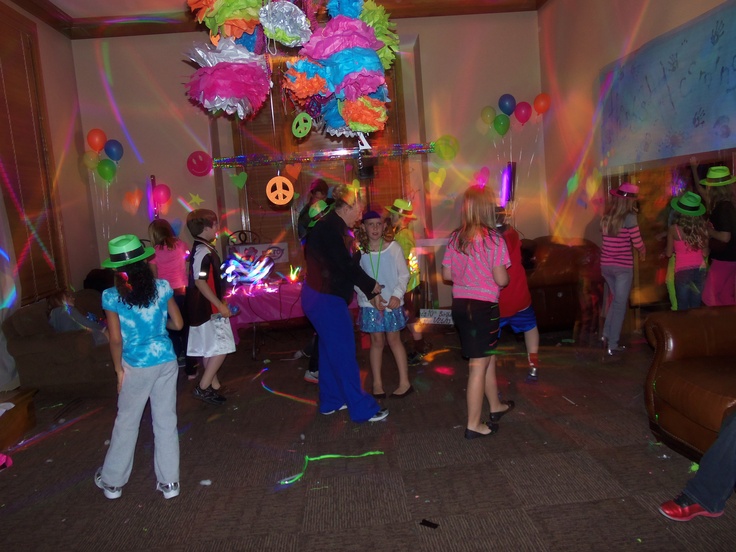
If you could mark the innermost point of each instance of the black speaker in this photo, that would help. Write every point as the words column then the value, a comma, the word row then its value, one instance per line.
column 366, row 166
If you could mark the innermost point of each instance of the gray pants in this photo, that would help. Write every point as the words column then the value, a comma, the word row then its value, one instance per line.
column 619, row 280
column 159, row 384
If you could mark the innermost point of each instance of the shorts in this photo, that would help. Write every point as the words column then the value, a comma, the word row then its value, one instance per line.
column 477, row 323
column 371, row 320
column 213, row 338
column 521, row 322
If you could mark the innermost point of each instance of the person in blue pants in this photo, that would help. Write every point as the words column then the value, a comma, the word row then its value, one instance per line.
column 331, row 274
column 706, row 493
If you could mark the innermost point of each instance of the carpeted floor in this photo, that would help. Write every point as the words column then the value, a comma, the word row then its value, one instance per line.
column 574, row 467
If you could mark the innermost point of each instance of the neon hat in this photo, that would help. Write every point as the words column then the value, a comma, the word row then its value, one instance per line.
column 718, row 176
column 626, row 190
column 402, row 208
column 126, row 249
column 317, row 211
column 688, row 204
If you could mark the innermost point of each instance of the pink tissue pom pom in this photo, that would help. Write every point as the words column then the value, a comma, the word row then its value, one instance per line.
column 338, row 34
column 360, row 83
column 238, row 81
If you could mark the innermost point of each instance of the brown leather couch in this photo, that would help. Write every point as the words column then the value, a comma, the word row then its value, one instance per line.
column 691, row 384
column 47, row 359
column 565, row 283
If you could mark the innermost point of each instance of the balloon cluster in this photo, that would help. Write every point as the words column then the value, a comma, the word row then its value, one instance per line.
column 508, row 106
column 98, row 142
column 338, row 79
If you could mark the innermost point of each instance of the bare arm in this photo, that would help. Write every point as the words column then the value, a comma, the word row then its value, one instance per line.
column 116, row 345
column 447, row 273
column 205, row 290
column 175, row 321
column 500, row 276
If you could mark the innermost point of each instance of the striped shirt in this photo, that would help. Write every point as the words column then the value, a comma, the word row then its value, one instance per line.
column 472, row 274
column 616, row 250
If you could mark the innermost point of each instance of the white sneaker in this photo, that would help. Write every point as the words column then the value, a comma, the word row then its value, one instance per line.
column 170, row 490
column 380, row 415
column 110, row 492
column 311, row 377
column 343, row 407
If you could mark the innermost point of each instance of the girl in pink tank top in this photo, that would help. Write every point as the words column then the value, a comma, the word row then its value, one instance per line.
column 687, row 239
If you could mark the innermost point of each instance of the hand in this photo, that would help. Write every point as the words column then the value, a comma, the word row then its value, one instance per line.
column 225, row 310
column 377, row 288
column 379, row 302
column 394, row 303
column 642, row 256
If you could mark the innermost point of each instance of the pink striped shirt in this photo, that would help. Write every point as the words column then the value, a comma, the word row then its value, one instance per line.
column 616, row 250
column 472, row 273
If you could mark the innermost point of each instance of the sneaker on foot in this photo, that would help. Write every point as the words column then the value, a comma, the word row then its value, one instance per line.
column 343, row 407
column 311, row 377
column 414, row 358
column 110, row 492
column 208, row 395
column 170, row 490
column 380, row 415
column 683, row 508
column 533, row 375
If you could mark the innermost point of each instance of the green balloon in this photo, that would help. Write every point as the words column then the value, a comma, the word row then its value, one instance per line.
column 501, row 123
column 107, row 169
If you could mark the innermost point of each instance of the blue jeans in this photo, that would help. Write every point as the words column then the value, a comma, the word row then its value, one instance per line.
column 339, row 374
column 619, row 280
column 713, row 484
column 689, row 288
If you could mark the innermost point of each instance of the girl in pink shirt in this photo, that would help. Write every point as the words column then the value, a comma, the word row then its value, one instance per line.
column 170, row 264
column 475, row 262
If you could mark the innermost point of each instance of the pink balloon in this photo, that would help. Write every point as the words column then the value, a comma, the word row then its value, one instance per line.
column 522, row 112
column 161, row 194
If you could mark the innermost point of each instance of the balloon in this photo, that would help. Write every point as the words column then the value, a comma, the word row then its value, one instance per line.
column 507, row 104
column 90, row 159
column 522, row 112
column 488, row 113
column 501, row 124
column 96, row 139
column 199, row 163
column 107, row 169
column 161, row 193
column 114, row 150
column 541, row 103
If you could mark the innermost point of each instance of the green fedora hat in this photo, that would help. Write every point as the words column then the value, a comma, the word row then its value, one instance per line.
column 126, row 249
column 718, row 176
column 688, row 204
column 402, row 208
column 317, row 211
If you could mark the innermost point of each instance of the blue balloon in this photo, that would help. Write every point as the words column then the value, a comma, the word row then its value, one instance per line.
column 114, row 150
column 507, row 104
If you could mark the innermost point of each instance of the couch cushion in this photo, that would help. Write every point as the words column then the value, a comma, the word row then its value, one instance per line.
column 31, row 320
column 702, row 391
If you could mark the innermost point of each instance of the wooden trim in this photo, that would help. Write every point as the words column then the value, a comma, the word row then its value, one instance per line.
column 184, row 22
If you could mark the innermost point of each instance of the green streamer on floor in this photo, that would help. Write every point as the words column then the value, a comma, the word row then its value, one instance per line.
column 307, row 459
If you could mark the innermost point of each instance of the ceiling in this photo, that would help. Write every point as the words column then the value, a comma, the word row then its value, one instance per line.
column 106, row 18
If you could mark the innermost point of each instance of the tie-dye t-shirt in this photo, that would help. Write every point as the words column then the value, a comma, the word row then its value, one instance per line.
column 145, row 339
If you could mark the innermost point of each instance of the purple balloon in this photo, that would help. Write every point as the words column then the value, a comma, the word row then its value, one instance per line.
column 507, row 104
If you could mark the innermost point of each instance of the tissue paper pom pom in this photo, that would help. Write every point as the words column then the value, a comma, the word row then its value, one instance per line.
column 253, row 42
column 358, row 84
column 338, row 34
column 285, row 23
column 236, row 27
column 376, row 17
column 331, row 114
column 207, row 55
column 222, row 11
column 364, row 114
column 349, row 61
column 381, row 94
column 350, row 8
column 201, row 8
column 302, row 86
column 232, row 87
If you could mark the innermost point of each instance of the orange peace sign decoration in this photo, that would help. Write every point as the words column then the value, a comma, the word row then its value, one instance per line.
column 279, row 190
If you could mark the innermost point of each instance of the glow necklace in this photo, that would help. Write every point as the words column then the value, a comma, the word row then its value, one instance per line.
column 378, row 265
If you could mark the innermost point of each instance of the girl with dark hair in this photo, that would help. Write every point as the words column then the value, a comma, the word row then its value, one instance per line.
column 139, row 310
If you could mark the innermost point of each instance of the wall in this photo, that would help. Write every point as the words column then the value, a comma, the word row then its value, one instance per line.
column 596, row 33
column 70, row 186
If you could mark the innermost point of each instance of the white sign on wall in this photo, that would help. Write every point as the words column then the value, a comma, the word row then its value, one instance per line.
column 435, row 316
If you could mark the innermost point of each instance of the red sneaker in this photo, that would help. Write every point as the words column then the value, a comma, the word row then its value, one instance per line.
column 683, row 508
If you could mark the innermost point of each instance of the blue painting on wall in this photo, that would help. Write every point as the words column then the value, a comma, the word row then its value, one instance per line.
column 674, row 96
